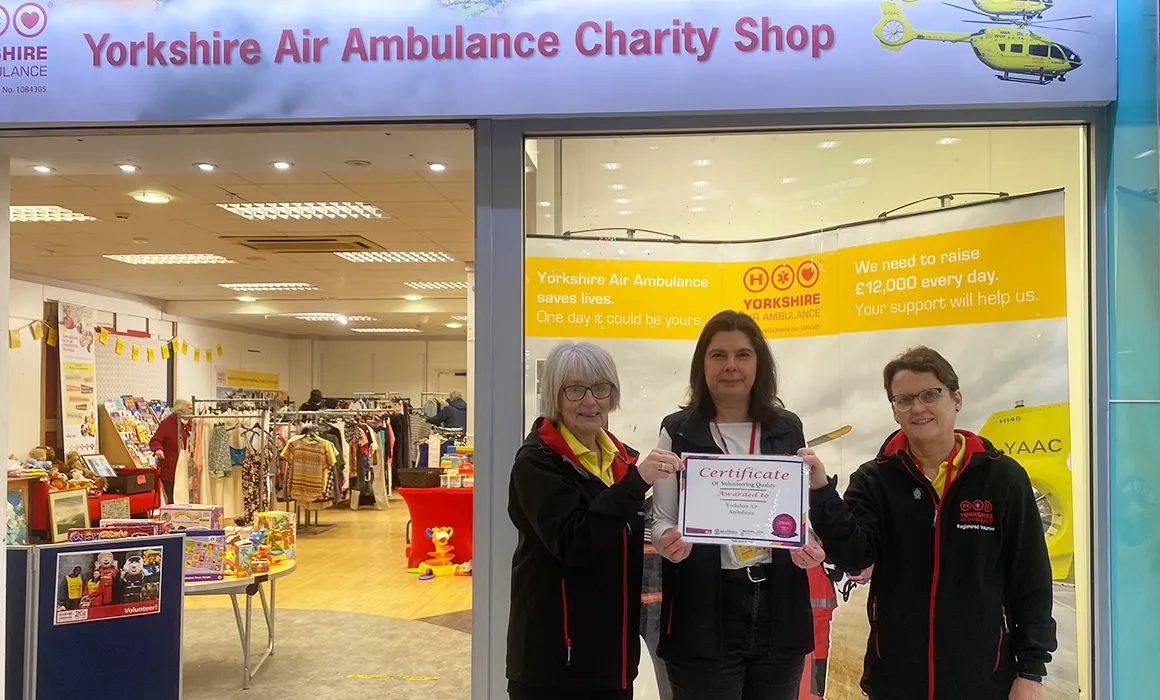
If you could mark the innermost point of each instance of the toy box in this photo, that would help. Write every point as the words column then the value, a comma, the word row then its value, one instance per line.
column 243, row 555
column 114, row 532
column 205, row 555
column 192, row 517
column 158, row 527
column 281, row 533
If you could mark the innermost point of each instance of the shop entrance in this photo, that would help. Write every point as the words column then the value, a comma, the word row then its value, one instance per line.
column 243, row 270
column 847, row 247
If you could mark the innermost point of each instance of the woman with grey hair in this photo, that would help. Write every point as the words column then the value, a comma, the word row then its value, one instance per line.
column 166, row 444
column 576, row 497
column 454, row 414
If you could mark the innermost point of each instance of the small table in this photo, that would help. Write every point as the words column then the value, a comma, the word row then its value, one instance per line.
column 234, row 586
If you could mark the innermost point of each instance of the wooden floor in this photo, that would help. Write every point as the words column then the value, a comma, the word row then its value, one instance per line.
column 359, row 566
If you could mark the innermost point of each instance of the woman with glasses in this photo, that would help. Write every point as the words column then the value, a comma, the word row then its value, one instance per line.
column 577, row 499
column 961, row 593
column 736, row 622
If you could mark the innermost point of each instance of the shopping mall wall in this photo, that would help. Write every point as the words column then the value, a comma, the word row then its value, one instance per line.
column 404, row 367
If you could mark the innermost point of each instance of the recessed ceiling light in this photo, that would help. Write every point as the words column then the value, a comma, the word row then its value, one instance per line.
column 620, row 200
column 128, row 167
column 697, row 210
column 788, row 180
column 459, row 318
column 701, row 163
column 42, row 168
column 152, row 197
column 175, row 259
column 271, row 287
column 341, row 318
column 625, row 212
column 436, row 285
column 45, row 214
column 205, row 167
column 617, row 187
column 700, row 183
column 263, row 211
column 454, row 325
column 545, row 204
column 247, row 300
column 829, row 144
column 948, row 141
column 698, row 198
column 412, row 297
column 282, row 165
column 436, row 166
column 385, row 330
column 398, row 257
column 612, row 166
column 359, row 163
column 140, row 241
column 863, row 161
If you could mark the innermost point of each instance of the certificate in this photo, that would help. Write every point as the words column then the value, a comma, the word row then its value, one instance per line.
column 753, row 500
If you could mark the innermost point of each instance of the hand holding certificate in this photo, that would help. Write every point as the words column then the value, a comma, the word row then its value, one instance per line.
column 754, row 500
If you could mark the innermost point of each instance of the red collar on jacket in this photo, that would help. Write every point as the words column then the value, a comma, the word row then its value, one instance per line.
column 972, row 445
column 552, row 438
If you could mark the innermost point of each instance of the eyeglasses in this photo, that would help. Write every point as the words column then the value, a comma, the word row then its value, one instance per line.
column 599, row 391
column 928, row 397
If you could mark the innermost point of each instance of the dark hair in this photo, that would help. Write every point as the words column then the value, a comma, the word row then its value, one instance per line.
column 763, row 400
column 316, row 394
column 920, row 360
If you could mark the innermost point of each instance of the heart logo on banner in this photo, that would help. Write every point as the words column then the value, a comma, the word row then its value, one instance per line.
column 808, row 274
column 29, row 19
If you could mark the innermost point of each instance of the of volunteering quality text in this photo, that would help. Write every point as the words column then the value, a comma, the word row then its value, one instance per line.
column 590, row 38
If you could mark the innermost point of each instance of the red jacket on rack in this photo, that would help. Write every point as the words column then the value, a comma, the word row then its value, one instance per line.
column 165, row 439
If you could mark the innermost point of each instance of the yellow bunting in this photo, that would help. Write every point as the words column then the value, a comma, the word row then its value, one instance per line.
column 219, row 349
column 14, row 339
column 104, row 336
column 165, row 351
column 184, row 347
column 197, row 354
column 208, row 354
column 120, row 347
column 150, row 354
column 51, row 337
column 37, row 329
column 136, row 354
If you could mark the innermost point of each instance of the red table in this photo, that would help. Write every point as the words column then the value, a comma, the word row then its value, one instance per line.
column 38, row 504
column 439, row 508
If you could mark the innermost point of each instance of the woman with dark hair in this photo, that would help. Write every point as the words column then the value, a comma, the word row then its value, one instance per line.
column 736, row 621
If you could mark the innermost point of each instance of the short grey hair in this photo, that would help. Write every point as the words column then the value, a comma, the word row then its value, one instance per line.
column 583, row 362
column 455, row 395
column 181, row 403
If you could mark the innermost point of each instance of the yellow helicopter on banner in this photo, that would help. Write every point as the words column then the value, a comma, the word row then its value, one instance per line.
column 1016, row 53
column 1000, row 10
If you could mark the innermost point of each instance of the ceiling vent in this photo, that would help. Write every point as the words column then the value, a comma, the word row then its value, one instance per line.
column 304, row 244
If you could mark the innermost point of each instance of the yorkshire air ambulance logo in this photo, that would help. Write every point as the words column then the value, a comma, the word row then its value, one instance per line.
column 1015, row 52
column 28, row 20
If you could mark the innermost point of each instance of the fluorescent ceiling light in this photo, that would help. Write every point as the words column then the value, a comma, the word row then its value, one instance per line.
column 128, row 167
column 620, row 200
column 863, row 161
column 697, row 210
column 271, row 287
column 412, row 297
column 262, row 211
column 829, row 144
column 247, row 300
column 205, row 167
column 612, row 166
column 545, row 204
column 698, row 198
column 152, row 197
column 618, row 188
column 436, row 166
column 281, row 165
column 385, row 330
column 45, row 214
column 625, row 212
column 42, row 168
column 176, row 259
column 398, row 257
column 700, row 183
column 454, row 325
column 459, row 318
column 948, row 141
column 701, row 163
column 788, row 180
column 436, row 285
column 332, row 317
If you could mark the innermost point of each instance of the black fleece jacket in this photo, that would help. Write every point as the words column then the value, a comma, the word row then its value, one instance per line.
column 961, row 595
column 576, row 572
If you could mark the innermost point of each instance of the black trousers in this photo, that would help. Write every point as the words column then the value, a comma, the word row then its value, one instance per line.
column 519, row 691
column 167, row 487
column 749, row 668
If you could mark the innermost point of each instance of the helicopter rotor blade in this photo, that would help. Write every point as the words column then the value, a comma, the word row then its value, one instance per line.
column 967, row 9
column 1062, row 19
column 1063, row 29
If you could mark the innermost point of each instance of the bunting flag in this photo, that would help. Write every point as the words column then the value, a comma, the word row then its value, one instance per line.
column 149, row 354
column 165, row 351
column 119, row 348
column 43, row 330
column 37, row 330
column 219, row 350
column 52, row 337
column 184, row 347
column 196, row 354
column 136, row 353
column 104, row 336
column 14, row 339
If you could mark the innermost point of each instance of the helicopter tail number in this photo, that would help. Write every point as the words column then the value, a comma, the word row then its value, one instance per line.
column 894, row 30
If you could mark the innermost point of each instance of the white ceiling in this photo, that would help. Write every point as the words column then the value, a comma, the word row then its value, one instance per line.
column 428, row 211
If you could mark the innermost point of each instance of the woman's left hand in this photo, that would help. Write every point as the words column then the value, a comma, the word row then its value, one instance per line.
column 818, row 476
column 809, row 556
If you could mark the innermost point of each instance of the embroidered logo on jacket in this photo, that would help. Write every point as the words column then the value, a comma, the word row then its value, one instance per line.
column 976, row 515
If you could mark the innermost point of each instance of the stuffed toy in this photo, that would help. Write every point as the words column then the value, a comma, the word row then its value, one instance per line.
column 40, row 458
column 80, row 476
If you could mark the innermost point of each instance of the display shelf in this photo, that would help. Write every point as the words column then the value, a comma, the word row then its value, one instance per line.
column 126, row 426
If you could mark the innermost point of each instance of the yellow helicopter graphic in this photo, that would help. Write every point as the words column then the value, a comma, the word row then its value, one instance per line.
column 1001, row 10
column 1017, row 53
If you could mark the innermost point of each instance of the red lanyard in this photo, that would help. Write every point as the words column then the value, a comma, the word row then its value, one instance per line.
column 752, row 437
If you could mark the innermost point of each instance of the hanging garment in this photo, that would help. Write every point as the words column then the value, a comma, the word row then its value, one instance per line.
column 310, row 460
column 181, row 477
column 218, row 459
column 254, row 494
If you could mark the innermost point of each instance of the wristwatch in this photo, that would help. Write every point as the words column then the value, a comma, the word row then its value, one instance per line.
column 1032, row 677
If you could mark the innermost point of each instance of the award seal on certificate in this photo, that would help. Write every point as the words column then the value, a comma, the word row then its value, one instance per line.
column 749, row 500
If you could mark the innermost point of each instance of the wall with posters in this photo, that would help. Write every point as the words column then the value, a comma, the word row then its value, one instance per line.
column 279, row 59
column 836, row 306
column 76, row 329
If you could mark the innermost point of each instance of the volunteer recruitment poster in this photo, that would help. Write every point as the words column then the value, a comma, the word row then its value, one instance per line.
column 982, row 284
column 78, row 372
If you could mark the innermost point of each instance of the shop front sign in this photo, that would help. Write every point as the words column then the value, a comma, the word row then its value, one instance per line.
column 188, row 60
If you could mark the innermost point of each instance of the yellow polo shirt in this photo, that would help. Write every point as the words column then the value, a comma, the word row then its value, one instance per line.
column 950, row 469
column 602, row 469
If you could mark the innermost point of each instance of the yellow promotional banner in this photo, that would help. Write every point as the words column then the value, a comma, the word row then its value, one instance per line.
column 165, row 351
column 150, row 354
column 997, row 273
column 241, row 379
column 120, row 347
column 135, row 354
